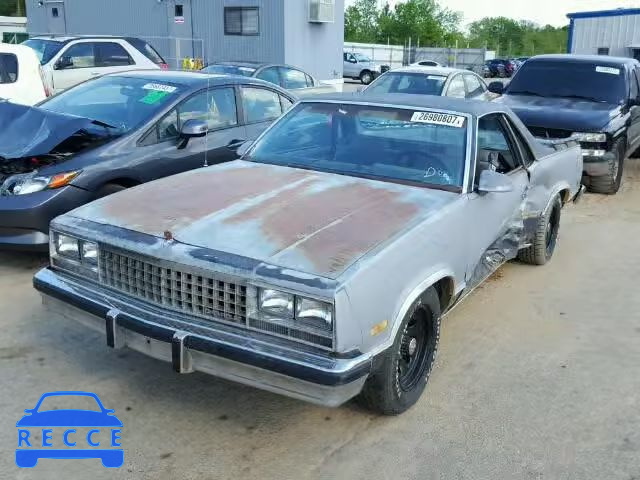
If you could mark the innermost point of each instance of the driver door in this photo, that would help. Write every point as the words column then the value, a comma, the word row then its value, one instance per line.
column 495, row 217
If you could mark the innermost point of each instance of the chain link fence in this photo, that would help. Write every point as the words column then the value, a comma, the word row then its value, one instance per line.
column 401, row 55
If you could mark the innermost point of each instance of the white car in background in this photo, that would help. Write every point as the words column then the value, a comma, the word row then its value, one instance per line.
column 426, row 63
column 439, row 81
column 21, row 78
column 68, row 61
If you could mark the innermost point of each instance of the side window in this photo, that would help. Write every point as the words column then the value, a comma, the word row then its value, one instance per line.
column 523, row 146
column 633, row 79
column 286, row 104
column 495, row 149
column 636, row 74
column 8, row 68
column 310, row 82
column 457, row 88
column 217, row 107
column 293, row 79
column 167, row 128
column 111, row 55
column 270, row 75
column 260, row 104
column 474, row 86
column 80, row 55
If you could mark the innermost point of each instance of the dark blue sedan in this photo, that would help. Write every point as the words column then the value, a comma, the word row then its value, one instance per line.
column 116, row 132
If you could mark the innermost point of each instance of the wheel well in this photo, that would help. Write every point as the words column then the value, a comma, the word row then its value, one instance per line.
column 123, row 182
column 445, row 290
column 366, row 70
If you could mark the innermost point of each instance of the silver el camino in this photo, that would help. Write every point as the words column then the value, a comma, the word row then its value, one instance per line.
column 320, row 264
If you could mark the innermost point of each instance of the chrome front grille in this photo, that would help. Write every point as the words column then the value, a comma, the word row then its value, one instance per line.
column 199, row 295
column 204, row 296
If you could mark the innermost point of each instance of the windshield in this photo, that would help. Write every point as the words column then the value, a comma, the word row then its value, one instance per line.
column 392, row 144
column 230, row 70
column 121, row 102
column 416, row 83
column 590, row 81
column 362, row 58
column 69, row 402
column 45, row 49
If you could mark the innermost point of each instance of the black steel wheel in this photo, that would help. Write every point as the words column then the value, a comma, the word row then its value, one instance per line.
column 401, row 373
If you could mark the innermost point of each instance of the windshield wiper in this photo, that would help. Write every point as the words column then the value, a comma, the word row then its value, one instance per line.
column 581, row 97
column 103, row 124
column 525, row 92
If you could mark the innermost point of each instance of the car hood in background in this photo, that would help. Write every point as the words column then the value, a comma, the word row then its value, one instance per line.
column 561, row 113
column 31, row 131
column 308, row 221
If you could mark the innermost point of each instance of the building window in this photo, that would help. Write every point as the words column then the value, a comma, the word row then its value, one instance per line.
column 54, row 12
column 241, row 21
column 603, row 51
column 179, row 11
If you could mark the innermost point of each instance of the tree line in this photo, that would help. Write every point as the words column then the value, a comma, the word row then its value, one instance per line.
column 427, row 23
column 13, row 8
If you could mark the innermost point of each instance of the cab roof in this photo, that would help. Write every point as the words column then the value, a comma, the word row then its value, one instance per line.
column 474, row 108
column 600, row 59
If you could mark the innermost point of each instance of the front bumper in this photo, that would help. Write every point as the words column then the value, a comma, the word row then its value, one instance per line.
column 219, row 350
column 24, row 219
column 598, row 166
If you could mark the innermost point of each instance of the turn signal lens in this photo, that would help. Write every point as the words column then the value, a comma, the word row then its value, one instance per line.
column 62, row 179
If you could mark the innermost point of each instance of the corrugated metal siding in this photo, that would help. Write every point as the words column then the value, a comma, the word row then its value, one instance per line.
column 314, row 47
column 208, row 24
column 616, row 33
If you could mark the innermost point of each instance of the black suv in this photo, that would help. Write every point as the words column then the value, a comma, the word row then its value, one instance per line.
column 593, row 99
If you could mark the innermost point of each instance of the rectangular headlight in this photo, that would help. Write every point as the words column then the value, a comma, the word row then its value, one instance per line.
column 591, row 137
column 314, row 313
column 275, row 302
column 90, row 254
column 67, row 246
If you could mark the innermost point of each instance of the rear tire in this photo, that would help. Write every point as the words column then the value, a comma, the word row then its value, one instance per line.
column 402, row 373
column 610, row 184
column 366, row 77
column 546, row 236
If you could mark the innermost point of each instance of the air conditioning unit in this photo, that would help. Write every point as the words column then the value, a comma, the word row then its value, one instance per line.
column 322, row 11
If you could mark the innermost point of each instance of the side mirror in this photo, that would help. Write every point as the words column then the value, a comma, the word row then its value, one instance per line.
column 244, row 148
column 494, row 182
column 192, row 129
column 62, row 63
column 496, row 87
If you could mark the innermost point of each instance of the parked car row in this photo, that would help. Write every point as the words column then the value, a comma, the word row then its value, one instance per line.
column 307, row 246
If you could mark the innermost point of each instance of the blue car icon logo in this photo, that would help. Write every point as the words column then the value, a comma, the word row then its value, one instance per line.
column 69, row 433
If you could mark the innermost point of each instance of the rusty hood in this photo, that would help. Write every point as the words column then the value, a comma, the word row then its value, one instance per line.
column 314, row 222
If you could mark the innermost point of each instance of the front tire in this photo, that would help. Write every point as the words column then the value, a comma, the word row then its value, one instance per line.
column 366, row 77
column 610, row 184
column 403, row 372
column 546, row 236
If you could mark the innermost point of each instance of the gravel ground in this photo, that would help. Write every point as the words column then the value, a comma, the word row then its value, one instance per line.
column 538, row 377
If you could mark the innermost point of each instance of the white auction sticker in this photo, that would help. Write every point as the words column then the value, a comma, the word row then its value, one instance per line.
column 158, row 87
column 436, row 77
column 610, row 70
column 435, row 118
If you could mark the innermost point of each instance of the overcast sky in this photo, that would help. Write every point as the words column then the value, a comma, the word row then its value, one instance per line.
column 540, row 11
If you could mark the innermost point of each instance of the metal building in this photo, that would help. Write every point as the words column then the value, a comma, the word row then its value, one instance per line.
column 305, row 33
column 608, row 32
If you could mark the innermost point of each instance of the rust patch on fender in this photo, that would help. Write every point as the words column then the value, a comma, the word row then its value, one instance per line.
column 175, row 202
